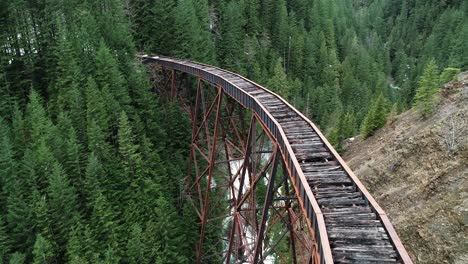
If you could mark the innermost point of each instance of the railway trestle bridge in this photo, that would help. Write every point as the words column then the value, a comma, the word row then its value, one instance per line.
column 266, row 174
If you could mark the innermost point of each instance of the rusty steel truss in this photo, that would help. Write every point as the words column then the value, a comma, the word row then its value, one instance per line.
column 244, row 176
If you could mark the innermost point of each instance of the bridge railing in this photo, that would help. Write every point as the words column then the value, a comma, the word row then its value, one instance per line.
column 307, row 199
column 309, row 204
column 390, row 230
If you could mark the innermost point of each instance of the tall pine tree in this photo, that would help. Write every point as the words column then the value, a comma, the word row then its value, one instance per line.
column 426, row 94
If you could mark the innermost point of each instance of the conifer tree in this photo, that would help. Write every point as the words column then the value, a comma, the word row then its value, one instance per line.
column 77, row 111
column 323, row 62
column 95, row 106
column 191, row 235
column 68, row 75
column 252, row 15
column 346, row 128
column 334, row 138
column 42, row 220
column 192, row 35
column 393, row 113
column 295, row 54
column 113, row 27
column 113, row 109
column 187, row 27
column 425, row 98
column 128, row 149
column 155, row 169
column 4, row 241
column 7, row 163
column 17, row 258
column 204, row 49
column 39, row 124
column 132, row 178
column 280, row 27
column 43, row 251
column 163, row 25
column 98, row 120
column 178, row 124
column 330, row 107
column 104, row 223
column 63, row 204
column 18, row 131
column 231, row 46
column 108, row 76
column 448, row 74
column 41, row 159
column 348, row 125
column 6, row 98
column 135, row 253
column 150, row 252
column 139, row 14
column 145, row 100
column 97, row 141
column 279, row 82
column 94, row 177
column 77, row 260
column 19, row 216
column 87, row 40
column 376, row 117
column 110, row 257
column 80, row 247
column 71, row 151
column 168, row 237
column 72, row 163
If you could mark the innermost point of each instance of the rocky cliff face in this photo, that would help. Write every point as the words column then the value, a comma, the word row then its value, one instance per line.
column 418, row 172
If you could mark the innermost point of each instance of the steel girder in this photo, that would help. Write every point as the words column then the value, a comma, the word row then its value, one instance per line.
column 237, row 179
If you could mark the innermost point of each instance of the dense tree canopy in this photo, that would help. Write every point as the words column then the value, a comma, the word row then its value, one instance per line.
column 337, row 56
column 88, row 153
column 81, row 176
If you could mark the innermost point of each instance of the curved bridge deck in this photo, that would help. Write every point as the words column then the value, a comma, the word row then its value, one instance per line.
column 349, row 225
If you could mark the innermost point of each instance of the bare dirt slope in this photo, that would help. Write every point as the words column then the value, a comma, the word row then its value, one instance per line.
column 418, row 172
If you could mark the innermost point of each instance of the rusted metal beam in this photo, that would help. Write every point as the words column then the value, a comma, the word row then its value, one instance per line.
column 248, row 149
column 266, row 207
column 210, row 172
column 292, row 242
column 173, row 86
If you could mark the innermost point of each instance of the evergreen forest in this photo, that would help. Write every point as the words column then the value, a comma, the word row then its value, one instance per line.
column 92, row 160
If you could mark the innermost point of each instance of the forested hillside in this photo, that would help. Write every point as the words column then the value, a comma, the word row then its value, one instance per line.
column 92, row 161
column 331, row 59
column 90, row 166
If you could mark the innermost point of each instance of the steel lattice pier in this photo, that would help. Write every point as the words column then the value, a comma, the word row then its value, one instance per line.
column 286, row 193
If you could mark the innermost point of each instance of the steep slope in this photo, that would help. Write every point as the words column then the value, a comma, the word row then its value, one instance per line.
column 417, row 170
